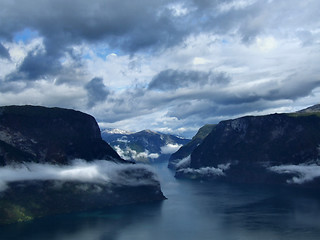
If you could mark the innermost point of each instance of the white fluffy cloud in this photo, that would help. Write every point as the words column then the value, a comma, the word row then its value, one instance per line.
column 205, row 171
column 303, row 173
column 170, row 148
column 184, row 163
column 130, row 154
column 99, row 171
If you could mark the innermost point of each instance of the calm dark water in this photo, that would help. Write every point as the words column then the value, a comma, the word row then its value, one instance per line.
column 194, row 210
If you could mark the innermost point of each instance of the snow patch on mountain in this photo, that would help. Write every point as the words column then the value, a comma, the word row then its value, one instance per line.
column 116, row 131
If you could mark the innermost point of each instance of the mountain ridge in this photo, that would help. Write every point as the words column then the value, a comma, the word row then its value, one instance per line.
column 145, row 145
column 54, row 161
column 311, row 109
column 187, row 149
column 258, row 148
column 56, row 135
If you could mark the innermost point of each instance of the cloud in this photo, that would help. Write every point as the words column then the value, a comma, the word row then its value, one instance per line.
column 43, row 92
column 170, row 148
column 154, row 155
column 144, row 25
column 134, row 26
column 303, row 173
column 130, row 154
column 97, row 91
column 168, row 64
column 35, row 66
column 173, row 79
column 4, row 52
column 183, row 163
column 99, row 171
column 13, row 87
column 201, row 172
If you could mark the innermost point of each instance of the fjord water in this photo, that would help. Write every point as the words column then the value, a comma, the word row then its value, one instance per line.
column 194, row 210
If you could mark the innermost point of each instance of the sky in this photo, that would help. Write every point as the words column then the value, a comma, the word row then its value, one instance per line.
column 169, row 66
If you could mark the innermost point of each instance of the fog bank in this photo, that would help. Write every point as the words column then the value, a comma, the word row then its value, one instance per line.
column 98, row 171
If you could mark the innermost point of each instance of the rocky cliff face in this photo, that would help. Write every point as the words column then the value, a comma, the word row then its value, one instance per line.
column 256, row 148
column 51, row 135
column 183, row 154
column 40, row 177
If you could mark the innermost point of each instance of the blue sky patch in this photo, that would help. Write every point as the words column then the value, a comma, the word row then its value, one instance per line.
column 25, row 35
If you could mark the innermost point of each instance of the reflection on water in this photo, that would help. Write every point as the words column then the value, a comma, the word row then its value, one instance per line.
column 194, row 210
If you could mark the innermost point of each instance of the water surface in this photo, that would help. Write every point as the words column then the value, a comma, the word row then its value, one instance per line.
column 194, row 210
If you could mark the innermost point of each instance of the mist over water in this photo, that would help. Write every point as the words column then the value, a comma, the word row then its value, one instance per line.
column 194, row 210
column 99, row 171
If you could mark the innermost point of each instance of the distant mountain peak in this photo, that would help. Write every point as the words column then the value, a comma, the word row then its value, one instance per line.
column 117, row 131
column 312, row 109
column 148, row 131
column 145, row 145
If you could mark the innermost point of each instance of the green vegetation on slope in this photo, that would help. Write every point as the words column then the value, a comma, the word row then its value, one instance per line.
column 187, row 149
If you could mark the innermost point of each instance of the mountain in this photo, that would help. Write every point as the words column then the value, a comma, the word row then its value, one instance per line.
column 55, row 135
column 275, row 148
column 55, row 161
column 182, row 155
column 143, row 146
column 312, row 109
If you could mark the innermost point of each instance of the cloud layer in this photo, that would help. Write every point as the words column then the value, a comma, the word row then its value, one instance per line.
column 170, row 148
column 99, row 171
column 164, row 65
column 130, row 154
column 303, row 173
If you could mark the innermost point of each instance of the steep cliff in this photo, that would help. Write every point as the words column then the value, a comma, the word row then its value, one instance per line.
column 55, row 161
column 259, row 149
column 51, row 135
column 184, row 152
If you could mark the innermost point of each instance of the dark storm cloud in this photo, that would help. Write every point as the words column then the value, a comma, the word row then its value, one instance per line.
column 203, row 102
column 243, row 20
column 173, row 79
column 152, row 31
column 97, row 91
column 293, row 87
column 38, row 65
column 203, row 108
column 131, row 25
column 35, row 66
column 128, row 25
column 11, row 87
column 4, row 52
column 206, row 109
column 249, row 19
